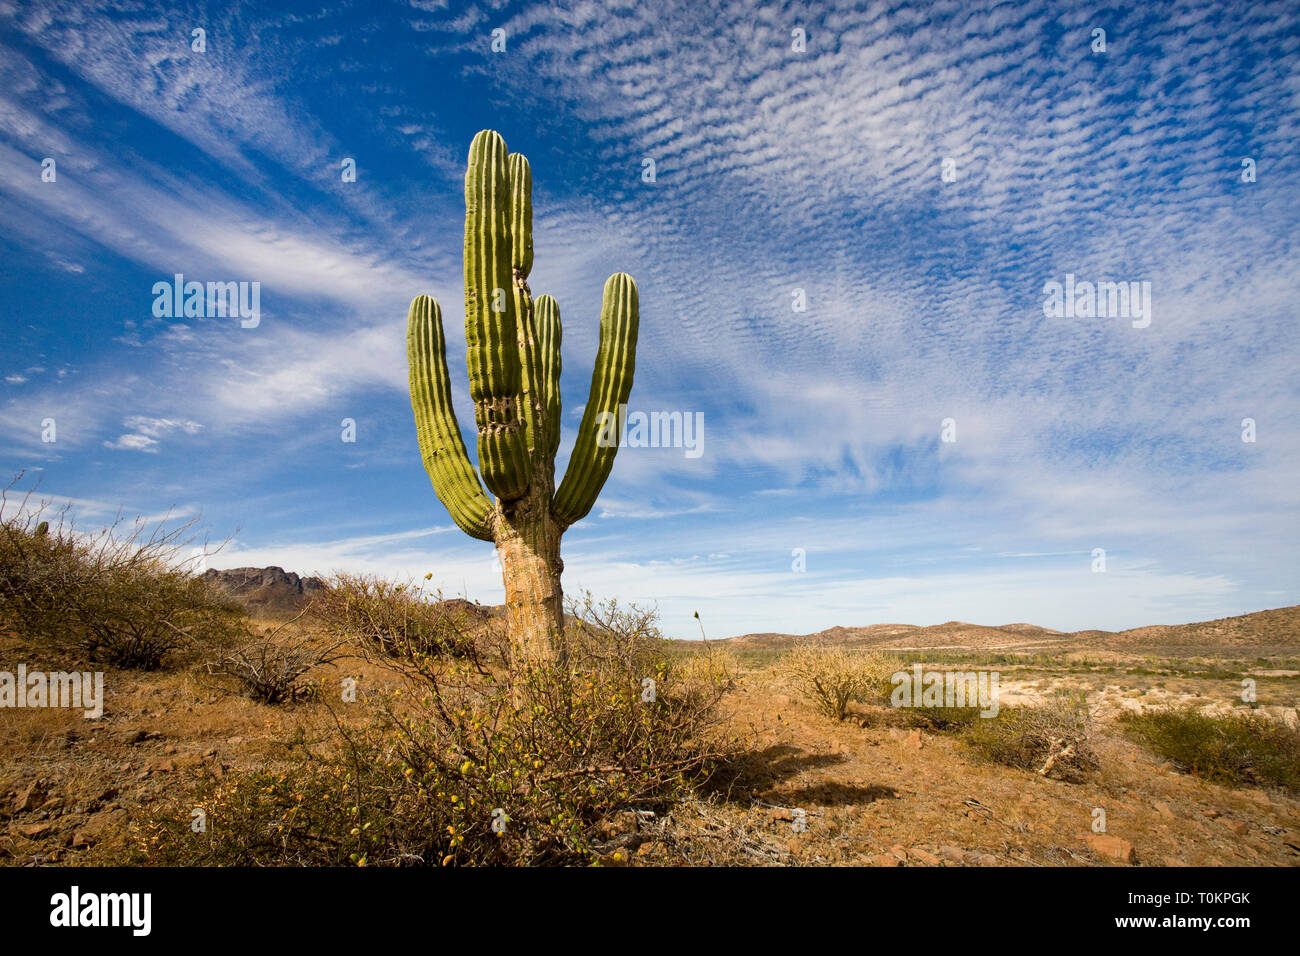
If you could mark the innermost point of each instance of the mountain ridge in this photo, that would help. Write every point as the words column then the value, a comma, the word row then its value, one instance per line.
column 1273, row 627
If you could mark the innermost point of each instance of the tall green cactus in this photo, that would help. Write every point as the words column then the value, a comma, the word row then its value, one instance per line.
column 513, row 355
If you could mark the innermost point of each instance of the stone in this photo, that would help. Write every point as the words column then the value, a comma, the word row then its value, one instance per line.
column 98, row 826
column 1106, row 844
column 952, row 853
column 1236, row 826
column 31, row 831
column 922, row 856
column 30, row 797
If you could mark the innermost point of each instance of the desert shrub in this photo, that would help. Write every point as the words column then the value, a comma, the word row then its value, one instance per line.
column 271, row 669
column 917, row 702
column 468, row 766
column 395, row 618
column 1235, row 749
column 940, row 718
column 1051, row 738
column 125, row 597
column 829, row 676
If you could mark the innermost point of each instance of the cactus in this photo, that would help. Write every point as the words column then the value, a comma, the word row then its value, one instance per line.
column 513, row 355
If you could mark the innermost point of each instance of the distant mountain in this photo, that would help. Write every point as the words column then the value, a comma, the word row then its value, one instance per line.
column 1276, row 628
column 266, row 590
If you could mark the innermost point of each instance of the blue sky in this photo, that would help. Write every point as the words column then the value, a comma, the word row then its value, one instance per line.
column 775, row 170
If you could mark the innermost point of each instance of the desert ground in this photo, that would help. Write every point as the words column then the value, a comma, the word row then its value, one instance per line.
column 871, row 790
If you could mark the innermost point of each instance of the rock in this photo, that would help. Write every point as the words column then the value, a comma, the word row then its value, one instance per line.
column 31, row 831
column 1212, row 813
column 1236, row 826
column 99, row 826
column 1105, row 844
column 270, row 589
column 986, row 859
column 929, row 859
column 898, row 853
column 781, row 814
column 952, row 853
column 108, row 794
column 164, row 765
column 52, row 804
column 914, row 739
column 1164, row 810
column 30, row 797
column 884, row 859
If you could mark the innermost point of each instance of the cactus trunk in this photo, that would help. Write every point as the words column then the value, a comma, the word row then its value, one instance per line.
column 528, row 545
column 513, row 355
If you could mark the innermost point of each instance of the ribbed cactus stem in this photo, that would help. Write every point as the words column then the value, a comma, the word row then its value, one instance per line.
column 521, row 263
column 491, row 337
column 441, row 445
column 546, row 321
column 611, row 382
column 513, row 358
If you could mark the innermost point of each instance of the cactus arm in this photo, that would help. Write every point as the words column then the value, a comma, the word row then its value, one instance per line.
column 611, row 383
column 547, row 325
column 521, row 263
column 441, row 445
column 491, row 336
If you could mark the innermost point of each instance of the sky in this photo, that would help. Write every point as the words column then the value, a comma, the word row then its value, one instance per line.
column 844, row 256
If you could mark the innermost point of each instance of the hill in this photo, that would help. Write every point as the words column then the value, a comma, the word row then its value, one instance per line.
column 1277, row 628
column 268, row 590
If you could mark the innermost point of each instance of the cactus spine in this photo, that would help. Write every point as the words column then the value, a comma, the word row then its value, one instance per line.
column 513, row 356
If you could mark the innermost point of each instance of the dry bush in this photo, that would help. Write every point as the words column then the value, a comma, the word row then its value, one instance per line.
column 125, row 596
column 1235, row 749
column 271, row 669
column 449, row 771
column 1051, row 738
column 829, row 676
column 395, row 618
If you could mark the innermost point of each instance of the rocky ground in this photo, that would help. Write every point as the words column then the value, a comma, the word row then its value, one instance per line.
column 812, row 791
